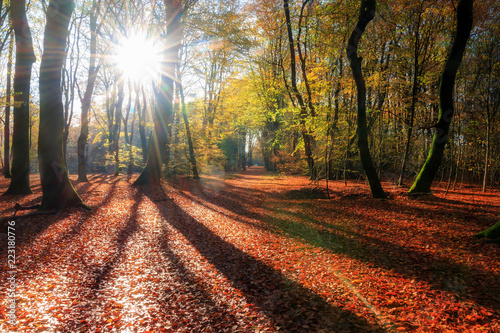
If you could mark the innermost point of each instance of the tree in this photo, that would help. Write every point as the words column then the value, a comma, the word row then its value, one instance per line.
column 8, row 93
column 180, row 90
column 306, row 136
column 422, row 184
column 142, row 127
column 366, row 14
column 418, row 48
column 87, row 97
column 492, row 233
column 57, row 190
column 192, row 157
column 25, row 57
column 158, row 142
column 115, row 138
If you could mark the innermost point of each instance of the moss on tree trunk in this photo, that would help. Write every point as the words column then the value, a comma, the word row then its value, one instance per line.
column 422, row 184
column 492, row 233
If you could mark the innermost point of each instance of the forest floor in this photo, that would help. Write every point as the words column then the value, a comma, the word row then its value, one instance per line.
column 252, row 252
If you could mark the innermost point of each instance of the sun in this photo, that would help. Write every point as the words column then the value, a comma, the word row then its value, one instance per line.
column 138, row 58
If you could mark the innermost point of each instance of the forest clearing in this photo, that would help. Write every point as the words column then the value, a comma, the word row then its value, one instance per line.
column 255, row 252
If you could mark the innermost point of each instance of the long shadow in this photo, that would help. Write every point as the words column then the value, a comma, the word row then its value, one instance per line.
column 204, row 298
column 290, row 305
column 477, row 193
column 447, row 210
column 440, row 272
column 228, row 196
column 30, row 227
column 76, row 228
column 458, row 205
column 97, row 275
column 81, row 188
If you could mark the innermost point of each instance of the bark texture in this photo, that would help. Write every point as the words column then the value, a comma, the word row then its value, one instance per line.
column 8, row 93
column 25, row 57
column 57, row 190
column 422, row 184
column 366, row 14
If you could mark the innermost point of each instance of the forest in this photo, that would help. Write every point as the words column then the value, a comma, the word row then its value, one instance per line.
column 249, row 166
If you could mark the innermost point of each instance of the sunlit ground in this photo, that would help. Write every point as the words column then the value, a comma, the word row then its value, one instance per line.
column 251, row 252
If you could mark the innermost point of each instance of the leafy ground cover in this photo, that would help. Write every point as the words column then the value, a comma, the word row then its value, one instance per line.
column 251, row 252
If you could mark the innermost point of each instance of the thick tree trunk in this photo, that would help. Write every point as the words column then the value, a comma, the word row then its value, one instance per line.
column 8, row 92
column 57, row 190
column 422, row 184
column 158, row 145
column 367, row 13
column 87, row 97
column 25, row 58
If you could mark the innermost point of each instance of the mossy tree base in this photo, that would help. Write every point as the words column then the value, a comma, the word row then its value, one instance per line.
column 492, row 233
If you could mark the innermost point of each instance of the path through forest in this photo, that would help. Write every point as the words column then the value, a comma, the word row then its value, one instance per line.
column 252, row 252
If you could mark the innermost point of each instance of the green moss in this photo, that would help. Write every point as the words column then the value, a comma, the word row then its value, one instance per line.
column 491, row 233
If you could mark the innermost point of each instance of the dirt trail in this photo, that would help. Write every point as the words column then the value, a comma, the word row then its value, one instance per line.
column 251, row 252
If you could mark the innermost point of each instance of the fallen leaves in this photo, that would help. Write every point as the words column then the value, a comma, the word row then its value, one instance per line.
column 253, row 254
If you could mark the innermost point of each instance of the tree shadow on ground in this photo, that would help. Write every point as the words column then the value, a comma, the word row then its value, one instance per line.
column 32, row 226
column 290, row 305
column 441, row 272
column 205, row 304
column 95, row 275
column 463, row 280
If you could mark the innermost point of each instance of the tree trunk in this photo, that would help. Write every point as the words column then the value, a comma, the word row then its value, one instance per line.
column 127, row 114
column 87, row 97
column 117, row 128
column 192, row 157
column 242, row 158
column 492, row 233
column 424, row 179
column 25, row 57
column 57, row 190
column 306, row 136
column 8, row 92
column 414, row 91
column 137, row 107
column 367, row 13
column 142, row 130
column 487, row 156
column 489, row 121
column 158, row 143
